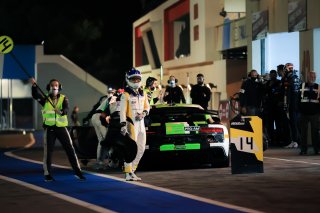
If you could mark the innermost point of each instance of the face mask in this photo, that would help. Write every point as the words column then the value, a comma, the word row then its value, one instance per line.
column 54, row 91
column 253, row 78
column 172, row 83
column 134, row 85
column 152, row 88
column 200, row 82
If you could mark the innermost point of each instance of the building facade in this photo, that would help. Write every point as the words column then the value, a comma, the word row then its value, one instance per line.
column 224, row 39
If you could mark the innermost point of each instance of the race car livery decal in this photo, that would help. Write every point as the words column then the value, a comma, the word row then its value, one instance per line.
column 173, row 147
column 176, row 128
column 191, row 128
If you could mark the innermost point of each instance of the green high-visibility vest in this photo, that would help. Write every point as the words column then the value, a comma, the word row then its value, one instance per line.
column 50, row 117
column 149, row 95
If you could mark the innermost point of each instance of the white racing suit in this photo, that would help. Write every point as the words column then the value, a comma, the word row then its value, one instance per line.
column 133, row 103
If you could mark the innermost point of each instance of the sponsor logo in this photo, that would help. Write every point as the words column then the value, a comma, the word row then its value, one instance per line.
column 191, row 128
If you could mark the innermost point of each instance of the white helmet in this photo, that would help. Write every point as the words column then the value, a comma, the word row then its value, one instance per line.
column 131, row 74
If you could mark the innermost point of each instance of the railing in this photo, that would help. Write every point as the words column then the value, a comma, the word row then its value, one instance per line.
column 231, row 34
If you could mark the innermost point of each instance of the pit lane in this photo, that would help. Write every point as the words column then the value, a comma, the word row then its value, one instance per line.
column 290, row 183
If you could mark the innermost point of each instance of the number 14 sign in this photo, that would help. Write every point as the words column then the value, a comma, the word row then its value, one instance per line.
column 246, row 144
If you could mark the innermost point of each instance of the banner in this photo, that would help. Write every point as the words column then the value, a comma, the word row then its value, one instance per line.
column 297, row 15
column 26, row 55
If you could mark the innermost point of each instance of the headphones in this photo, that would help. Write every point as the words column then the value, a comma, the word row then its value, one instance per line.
column 49, row 84
column 176, row 80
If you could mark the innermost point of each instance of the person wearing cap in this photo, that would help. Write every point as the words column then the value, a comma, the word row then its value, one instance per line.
column 134, row 106
column 200, row 93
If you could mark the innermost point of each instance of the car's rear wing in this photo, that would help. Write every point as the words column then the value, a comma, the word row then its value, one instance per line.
column 214, row 115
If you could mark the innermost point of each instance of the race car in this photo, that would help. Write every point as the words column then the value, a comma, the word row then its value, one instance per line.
column 187, row 132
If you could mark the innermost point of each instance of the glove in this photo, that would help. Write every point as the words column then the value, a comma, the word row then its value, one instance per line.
column 58, row 111
column 140, row 116
column 123, row 129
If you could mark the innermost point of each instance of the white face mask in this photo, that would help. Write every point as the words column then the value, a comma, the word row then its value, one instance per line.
column 172, row 83
column 54, row 91
column 136, row 85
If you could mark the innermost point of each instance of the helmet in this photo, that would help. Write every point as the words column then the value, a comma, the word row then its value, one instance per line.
column 131, row 74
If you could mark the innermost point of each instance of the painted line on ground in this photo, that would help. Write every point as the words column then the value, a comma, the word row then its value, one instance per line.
column 293, row 161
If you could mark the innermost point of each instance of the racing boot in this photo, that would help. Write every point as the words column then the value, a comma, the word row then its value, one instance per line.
column 135, row 176
column 131, row 177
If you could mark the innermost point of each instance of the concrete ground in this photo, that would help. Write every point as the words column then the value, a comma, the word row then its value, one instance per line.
column 290, row 183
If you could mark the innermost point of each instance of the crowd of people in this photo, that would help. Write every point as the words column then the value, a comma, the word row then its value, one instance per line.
column 286, row 105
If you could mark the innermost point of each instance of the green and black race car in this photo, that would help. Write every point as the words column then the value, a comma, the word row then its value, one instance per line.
column 185, row 131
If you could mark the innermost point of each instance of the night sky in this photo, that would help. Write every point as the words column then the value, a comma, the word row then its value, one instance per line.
column 83, row 31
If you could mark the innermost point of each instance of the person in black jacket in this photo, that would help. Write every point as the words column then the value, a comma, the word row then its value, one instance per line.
column 309, row 106
column 251, row 95
column 173, row 93
column 200, row 93
column 290, row 83
column 271, row 110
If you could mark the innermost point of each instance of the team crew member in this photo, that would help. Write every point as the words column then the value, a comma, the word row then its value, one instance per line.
column 200, row 93
column 151, row 85
column 251, row 95
column 173, row 93
column 309, row 105
column 100, row 120
column 94, row 108
column 113, row 129
column 134, row 106
column 55, row 120
column 290, row 88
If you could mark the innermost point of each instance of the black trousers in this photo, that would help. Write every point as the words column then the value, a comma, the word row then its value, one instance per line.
column 314, row 121
column 61, row 133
